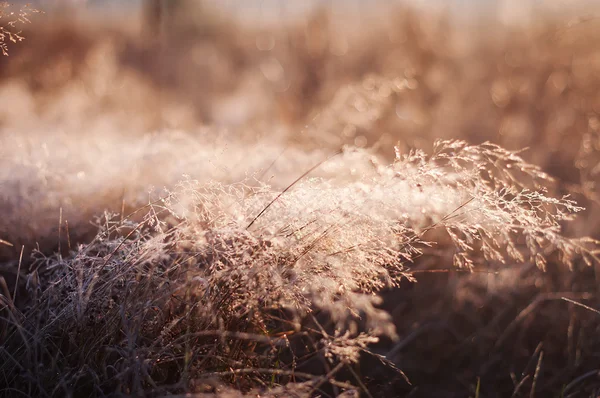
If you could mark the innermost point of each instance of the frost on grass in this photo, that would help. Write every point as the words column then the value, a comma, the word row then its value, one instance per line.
column 44, row 172
column 202, row 288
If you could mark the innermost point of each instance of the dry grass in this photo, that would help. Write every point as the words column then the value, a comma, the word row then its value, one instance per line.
column 11, row 20
column 320, row 207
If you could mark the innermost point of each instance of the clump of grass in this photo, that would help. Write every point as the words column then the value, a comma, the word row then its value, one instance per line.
column 191, row 292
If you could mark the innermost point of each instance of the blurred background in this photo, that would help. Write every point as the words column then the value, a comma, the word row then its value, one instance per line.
column 317, row 72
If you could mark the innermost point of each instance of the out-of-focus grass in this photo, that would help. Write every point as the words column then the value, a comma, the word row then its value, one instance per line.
column 197, row 126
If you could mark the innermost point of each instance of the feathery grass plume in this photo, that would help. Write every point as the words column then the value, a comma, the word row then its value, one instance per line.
column 153, row 306
column 9, row 23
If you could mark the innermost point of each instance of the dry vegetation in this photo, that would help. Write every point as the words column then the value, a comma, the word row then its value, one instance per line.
column 332, row 206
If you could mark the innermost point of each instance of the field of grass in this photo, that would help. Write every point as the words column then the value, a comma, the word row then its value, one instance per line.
column 382, row 203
